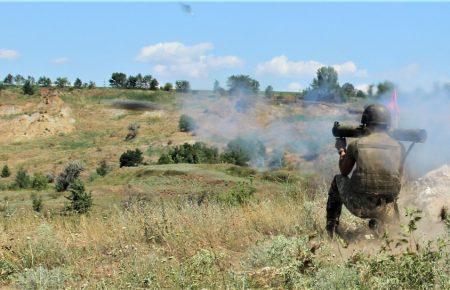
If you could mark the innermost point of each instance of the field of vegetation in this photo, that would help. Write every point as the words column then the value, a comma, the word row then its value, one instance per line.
column 75, row 212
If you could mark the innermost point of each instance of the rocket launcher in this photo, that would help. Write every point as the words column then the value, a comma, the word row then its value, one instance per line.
column 356, row 131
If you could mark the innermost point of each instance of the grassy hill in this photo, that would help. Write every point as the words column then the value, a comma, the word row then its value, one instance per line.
column 177, row 225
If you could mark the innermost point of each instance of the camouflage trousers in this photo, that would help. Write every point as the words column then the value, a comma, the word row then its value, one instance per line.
column 363, row 206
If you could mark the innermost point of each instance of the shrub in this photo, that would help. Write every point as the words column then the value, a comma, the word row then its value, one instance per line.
column 23, row 180
column 131, row 158
column 80, row 200
column 42, row 278
column 50, row 177
column 103, row 169
column 28, row 88
column 241, row 171
column 279, row 176
column 187, row 124
column 194, row 154
column 39, row 181
column 165, row 159
column 133, row 130
column 69, row 175
column 36, row 202
column 240, row 194
column 241, row 151
column 289, row 257
column 5, row 171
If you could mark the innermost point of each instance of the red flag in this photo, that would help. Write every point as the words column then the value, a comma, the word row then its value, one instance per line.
column 395, row 110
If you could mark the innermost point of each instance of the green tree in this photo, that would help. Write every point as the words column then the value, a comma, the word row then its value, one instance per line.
column 168, row 87
column 348, row 90
column 242, row 84
column 326, row 77
column 70, row 173
column 23, row 180
column 182, row 86
column 80, row 200
column 6, row 172
column 91, row 85
column 78, row 84
column 154, row 85
column 187, row 123
column 28, row 88
column 19, row 80
column 131, row 158
column 62, row 82
column 384, row 88
column 361, row 94
column 269, row 92
column 146, row 81
column 131, row 82
column 9, row 79
column 44, row 82
column 103, row 169
column 39, row 182
column 36, row 202
column 139, row 81
column 118, row 80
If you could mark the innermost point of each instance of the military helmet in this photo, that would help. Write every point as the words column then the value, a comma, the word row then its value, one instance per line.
column 377, row 115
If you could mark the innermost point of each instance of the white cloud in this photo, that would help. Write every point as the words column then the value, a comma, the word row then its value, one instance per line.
column 8, row 53
column 61, row 60
column 175, row 58
column 294, row 87
column 282, row 66
column 363, row 87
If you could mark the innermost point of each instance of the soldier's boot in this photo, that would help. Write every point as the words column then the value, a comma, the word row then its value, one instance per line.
column 331, row 227
column 334, row 207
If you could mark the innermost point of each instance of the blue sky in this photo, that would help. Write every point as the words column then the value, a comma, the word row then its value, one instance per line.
column 277, row 43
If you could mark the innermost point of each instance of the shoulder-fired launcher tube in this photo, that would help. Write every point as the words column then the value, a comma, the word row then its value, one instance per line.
column 352, row 131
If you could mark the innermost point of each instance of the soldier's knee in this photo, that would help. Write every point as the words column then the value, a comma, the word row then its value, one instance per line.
column 334, row 186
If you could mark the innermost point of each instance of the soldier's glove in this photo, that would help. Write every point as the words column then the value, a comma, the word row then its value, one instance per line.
column 341, row 144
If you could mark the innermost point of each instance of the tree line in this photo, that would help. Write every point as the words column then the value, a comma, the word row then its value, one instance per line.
column 324, row 87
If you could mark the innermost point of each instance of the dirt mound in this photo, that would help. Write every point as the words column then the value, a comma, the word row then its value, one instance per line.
column 433, row 191
column 50, row 117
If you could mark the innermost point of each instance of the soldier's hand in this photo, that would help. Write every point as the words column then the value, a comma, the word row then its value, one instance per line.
column 341, row 144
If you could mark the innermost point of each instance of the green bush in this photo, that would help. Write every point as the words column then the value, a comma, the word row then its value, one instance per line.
column 36, row 202
column 194, row 154
column 240, row 194
column 131, row 158
column 80, row 200
column 69, row 175
column 187, row 123
column 23, row 180
column 291, row 259
column 5, row 171
column 103, row 168
column 29, row 88
column 241, row 171
column 424, row 269
column 165, row 159
column 279, row 176
column 39, row 182
column 41, row 278
column 241, row 151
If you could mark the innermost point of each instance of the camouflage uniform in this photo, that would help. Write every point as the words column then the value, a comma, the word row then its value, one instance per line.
column 373, row 188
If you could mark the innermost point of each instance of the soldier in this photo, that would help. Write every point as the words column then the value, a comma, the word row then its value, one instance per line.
column 373, row 188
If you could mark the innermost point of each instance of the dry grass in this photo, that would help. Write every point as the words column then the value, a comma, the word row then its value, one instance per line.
column 160, row 226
